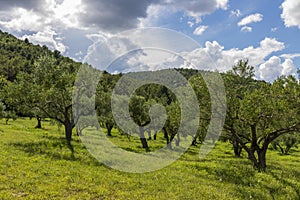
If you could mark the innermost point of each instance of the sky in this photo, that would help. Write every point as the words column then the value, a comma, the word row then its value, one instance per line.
column 263, row 31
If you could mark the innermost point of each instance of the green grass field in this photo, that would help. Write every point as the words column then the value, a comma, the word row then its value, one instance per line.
column 37, row 164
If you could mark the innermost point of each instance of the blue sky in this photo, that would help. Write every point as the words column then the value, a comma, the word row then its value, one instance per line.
column 263, row 31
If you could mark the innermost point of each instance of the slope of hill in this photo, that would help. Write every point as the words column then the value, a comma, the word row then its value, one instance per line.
column 17, row 55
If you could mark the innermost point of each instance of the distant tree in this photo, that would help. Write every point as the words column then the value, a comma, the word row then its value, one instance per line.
column 21, row 95
column 9, row 114
column 103, row 108
column 103, row 101
column 56, row 54
column 286, row 142
column 26, row 41
column 6, row 114
column 172, row 124
column 139, row 109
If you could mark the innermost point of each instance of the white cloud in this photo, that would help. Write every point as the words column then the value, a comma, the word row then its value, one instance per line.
column 193, row 9
column 290, row 13
column 273, row 68
column 290, row 56
column 67, row 12
column 196, row 9
column 214, row 56
column 47, row 37
column 251, row 19
column 246, row 29
column 271, row 45
column 289, row 68
column 50, row 13
column 22, row 20
column 236, row 13
column 154, row 14
column 200, row 30
column 112, row 47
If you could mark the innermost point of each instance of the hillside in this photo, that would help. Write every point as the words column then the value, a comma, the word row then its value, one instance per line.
column 17, row 55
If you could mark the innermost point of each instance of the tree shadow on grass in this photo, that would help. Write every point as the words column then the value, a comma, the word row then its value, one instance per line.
column 279, row 177
column 57, row 149
column 240, row 172
column 235, row 171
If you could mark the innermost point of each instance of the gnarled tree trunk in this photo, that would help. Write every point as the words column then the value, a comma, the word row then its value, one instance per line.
column 68, row 131
column 259, row 162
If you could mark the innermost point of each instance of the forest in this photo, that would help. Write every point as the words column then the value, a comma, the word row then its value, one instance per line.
column 261, row 118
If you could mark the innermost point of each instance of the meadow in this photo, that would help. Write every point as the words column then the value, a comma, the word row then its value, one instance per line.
column 38, row 164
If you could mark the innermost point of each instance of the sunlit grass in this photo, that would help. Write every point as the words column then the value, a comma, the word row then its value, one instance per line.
column 37, row 164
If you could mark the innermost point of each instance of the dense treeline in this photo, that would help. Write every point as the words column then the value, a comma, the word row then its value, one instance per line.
column 36, row 82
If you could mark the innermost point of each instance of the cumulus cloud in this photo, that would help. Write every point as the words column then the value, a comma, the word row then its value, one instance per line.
column 47, row 37
column 200, row 30
column 24, row 20
column 289, row 68
column 212, row 56
column 271, row 45
column 251, row 19
column 155, row 13
column 155, row 45
column 273, row 68
column 290, row 13
column 21, row 17
column 224, row 59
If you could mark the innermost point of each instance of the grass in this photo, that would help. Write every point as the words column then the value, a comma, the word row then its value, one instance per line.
column 37, row 164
